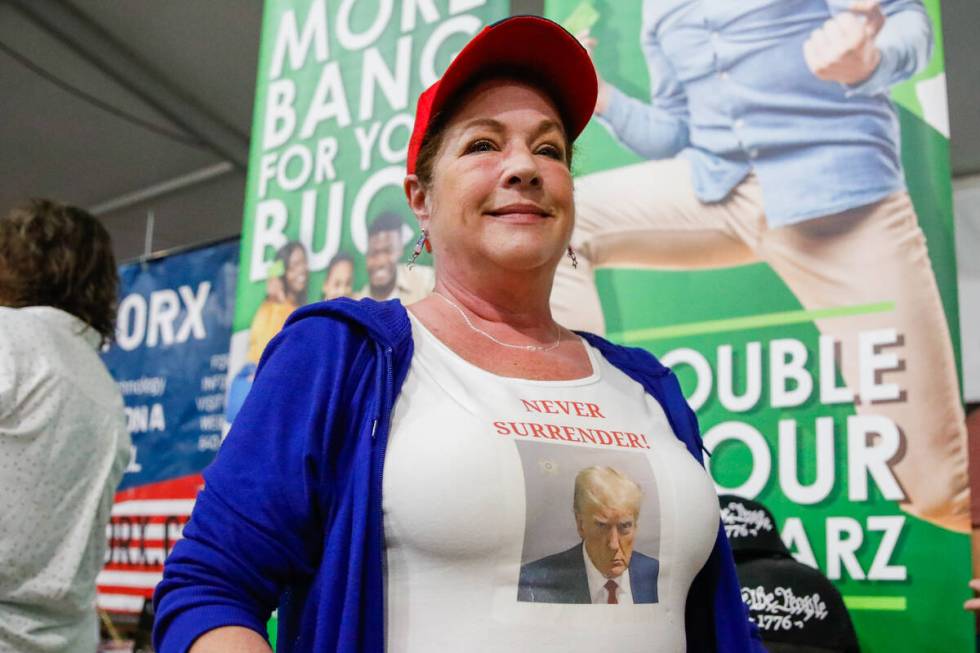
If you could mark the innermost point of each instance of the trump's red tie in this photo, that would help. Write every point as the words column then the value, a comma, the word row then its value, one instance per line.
column 611, row 587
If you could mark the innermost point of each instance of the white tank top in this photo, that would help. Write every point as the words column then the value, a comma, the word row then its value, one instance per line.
column 483, row 548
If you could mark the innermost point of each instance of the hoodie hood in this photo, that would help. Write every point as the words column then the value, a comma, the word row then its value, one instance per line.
column 630, row 358
column 386, row 322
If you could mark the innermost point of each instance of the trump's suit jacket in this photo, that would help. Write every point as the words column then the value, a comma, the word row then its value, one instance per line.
column 561, row 578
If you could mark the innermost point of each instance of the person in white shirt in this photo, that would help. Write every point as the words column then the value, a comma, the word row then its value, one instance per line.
column 63, row 438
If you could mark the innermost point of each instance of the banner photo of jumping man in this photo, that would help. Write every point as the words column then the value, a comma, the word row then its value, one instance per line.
column 170, row 359
column 325, row 214
column 763, row 200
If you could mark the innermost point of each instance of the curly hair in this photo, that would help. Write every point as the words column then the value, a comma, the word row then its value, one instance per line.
column 56, row 255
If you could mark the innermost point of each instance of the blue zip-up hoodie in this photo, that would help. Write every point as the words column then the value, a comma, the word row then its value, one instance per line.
column 290, row 514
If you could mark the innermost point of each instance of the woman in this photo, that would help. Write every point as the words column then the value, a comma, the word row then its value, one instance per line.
column 285, row 292
column 63, row 440
column 374, row 487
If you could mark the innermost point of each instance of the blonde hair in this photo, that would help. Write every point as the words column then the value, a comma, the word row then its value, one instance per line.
column 606, row 487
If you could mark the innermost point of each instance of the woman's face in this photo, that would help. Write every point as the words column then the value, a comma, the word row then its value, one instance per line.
column 339, row 282
column 297, row 272
column 501, row 192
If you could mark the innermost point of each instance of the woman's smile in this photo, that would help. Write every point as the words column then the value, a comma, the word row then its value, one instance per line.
column 520, row 213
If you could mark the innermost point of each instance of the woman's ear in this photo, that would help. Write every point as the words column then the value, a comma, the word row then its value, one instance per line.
column 418, row 199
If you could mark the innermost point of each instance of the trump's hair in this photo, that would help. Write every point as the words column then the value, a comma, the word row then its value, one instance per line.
column 606, row 487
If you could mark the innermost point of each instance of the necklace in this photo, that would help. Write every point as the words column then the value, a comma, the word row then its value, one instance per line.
column 487, row 335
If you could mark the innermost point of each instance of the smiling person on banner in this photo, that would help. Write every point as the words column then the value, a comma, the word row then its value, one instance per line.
column 388, row 277
column 286, row 290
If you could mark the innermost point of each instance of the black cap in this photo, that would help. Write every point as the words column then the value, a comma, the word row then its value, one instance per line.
column 795, row 607
column 751, row 528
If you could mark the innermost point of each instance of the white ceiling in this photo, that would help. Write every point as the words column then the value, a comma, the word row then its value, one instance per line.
column 77, row 75
column 181, row 66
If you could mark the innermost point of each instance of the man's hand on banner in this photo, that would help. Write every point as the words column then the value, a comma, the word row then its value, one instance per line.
column 973, row 604
column 602, row 99
column 843, row 49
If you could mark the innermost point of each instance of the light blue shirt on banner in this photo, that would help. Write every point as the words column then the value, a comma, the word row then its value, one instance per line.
column 730, row 91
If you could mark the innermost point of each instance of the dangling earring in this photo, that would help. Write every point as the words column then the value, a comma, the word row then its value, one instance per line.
column 423, row 241
column 571, row 255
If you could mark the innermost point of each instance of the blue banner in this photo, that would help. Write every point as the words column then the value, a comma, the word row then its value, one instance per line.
column 170, row 359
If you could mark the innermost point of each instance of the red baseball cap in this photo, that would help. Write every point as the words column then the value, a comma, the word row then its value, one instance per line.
column 531, row 44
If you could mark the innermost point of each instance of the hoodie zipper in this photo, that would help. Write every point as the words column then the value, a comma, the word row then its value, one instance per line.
column 386, row 411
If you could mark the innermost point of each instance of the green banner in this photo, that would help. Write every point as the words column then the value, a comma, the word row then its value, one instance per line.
column 808, row 309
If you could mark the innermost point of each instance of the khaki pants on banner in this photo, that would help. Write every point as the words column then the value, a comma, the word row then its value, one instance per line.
column 647, row 215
